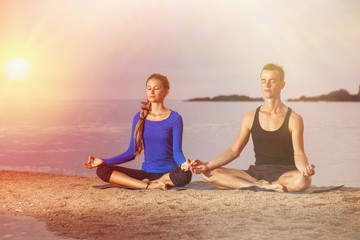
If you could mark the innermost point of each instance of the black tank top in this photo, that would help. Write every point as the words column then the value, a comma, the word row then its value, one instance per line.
column 272, row 147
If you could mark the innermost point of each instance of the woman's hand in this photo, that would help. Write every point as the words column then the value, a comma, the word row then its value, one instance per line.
column 198, row 166
column 93, row 162
column 185, row 166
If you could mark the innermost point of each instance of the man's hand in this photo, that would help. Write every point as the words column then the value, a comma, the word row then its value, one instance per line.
column 93, row 162
column 185, row 166
column 307, row 170
column 198, row 166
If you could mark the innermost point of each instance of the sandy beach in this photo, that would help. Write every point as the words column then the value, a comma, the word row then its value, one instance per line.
column 71, row 208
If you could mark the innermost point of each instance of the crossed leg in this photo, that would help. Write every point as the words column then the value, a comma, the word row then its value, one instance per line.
column 117, row 175
column 119, row 178
column 291, row 181
column 294, row 181
column 235, row 178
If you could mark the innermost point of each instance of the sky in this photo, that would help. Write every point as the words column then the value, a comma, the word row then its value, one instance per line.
column 90, row 49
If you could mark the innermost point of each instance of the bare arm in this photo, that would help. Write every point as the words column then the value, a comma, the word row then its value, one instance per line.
column 296, row 126
column 231, row 153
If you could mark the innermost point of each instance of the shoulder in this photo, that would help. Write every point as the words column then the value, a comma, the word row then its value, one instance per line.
column 137, row 116
column 250, row 115
column 248, row 119
column 175, row 116
column 295, row 117
column 296, row 122
column 175, row 119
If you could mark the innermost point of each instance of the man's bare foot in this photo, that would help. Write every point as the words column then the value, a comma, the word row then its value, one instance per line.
column 268, row 185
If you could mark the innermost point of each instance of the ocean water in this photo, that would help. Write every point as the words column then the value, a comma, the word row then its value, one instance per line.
column 58, row 136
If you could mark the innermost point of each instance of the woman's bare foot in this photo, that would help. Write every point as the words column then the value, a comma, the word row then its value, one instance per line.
column 146, row 180
column 268, row 185
column 157, row 185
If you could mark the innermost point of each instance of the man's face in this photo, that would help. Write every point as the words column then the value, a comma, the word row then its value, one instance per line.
column 271, row 83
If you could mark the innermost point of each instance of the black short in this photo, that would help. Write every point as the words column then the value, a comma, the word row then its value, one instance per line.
column 269, row 173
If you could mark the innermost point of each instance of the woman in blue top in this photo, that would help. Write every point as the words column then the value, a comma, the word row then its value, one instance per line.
column 158, row 131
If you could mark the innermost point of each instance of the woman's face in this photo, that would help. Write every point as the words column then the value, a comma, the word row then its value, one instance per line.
column 155, row 90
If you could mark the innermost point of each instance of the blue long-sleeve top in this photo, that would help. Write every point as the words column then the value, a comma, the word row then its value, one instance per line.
column 162, row 145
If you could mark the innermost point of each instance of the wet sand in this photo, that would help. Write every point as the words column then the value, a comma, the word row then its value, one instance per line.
column 70, row 208
column 19, row 227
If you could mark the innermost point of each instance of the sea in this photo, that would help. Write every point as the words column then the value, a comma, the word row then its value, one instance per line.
column 58, row 136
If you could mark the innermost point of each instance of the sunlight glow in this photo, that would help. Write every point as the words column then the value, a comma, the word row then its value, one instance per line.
column 17, row 69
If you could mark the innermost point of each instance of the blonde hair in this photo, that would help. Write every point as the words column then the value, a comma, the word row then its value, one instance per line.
column 274, row 67
column 145, row 110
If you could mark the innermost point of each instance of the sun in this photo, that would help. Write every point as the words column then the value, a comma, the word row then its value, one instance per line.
column 17, row 69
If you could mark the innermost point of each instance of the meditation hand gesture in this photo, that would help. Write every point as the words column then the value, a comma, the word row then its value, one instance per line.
column 306, row 170
column 93, row 162
column 185, row 166
column 198, row 166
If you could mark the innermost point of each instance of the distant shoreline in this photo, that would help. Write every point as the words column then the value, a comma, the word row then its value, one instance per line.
column 335, row 96
column 226, row 98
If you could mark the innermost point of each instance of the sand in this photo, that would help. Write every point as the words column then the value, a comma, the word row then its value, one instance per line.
column 24, row 228
column 71, row 208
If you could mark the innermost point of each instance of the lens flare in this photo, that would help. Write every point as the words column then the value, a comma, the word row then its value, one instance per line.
column 17, row 69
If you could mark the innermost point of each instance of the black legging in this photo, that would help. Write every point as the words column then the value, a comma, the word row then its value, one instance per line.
column 177, row 176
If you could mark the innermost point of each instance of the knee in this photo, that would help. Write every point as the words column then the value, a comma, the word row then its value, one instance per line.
column 179, row 177
column 206, row 177
column 209, row 175
column 104, row 172
column 301, row 183
column 305, row 181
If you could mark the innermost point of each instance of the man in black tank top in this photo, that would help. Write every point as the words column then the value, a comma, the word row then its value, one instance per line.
column 277, row 132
